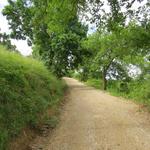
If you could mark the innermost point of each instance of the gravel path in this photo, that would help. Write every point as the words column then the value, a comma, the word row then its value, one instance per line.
column 94, row 120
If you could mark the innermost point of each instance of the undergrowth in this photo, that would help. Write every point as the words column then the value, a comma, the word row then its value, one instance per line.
column 138, row 91
column 27, row 89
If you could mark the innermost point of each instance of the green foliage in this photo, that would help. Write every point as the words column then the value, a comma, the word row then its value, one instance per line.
column 112, row 53
column 5, row 41
column 136, row 90
column 62, row 52
column 20, row 14
column 27, row 89
column 144, row 87
column 97, row 83
column 56, row 36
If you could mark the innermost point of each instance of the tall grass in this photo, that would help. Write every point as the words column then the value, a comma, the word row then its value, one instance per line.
column 95, row 83
column 27, row 89
column 135, row 90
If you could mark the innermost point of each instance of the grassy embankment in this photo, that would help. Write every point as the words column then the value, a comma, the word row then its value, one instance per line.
column 134, row 90
column 27, row 89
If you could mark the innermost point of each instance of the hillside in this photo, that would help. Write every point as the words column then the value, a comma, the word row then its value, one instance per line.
column 27, row 89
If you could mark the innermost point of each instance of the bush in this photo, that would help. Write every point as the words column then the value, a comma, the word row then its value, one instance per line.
column 140, row 91
column 136, row 90
column 97, row 83
column 27, row 89
column 123, row 87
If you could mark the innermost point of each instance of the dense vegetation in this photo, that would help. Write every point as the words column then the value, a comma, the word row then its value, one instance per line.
column 58, row 46
column 135, row 89
column 119, row 46
column 27, row 89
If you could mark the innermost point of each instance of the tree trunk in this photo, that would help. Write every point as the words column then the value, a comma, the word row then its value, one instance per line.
column 104, row 81
column 105, row 69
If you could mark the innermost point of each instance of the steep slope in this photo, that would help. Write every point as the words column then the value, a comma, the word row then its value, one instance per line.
column 27, row 89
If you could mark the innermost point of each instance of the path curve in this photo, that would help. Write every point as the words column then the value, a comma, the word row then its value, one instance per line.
column 94, row 120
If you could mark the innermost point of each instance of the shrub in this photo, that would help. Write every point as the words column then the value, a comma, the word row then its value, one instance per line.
column 136, row 90
column 97, row 83
column 123, row 87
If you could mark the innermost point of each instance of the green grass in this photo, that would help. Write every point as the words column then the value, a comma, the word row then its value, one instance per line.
column 138, row 91
column 94, row 83
column 27, row 89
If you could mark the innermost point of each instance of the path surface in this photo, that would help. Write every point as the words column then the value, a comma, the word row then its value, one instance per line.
column 94, row 120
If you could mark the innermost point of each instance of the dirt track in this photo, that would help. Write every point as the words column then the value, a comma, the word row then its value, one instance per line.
column 94, row 120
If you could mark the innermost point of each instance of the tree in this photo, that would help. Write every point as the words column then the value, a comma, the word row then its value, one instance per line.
column 55, row 39
column 5, row 40
column 116, row 41
column 46, row 25
column 19, row 15
column 115, row 51
column 26, row 17
column 63, row 52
